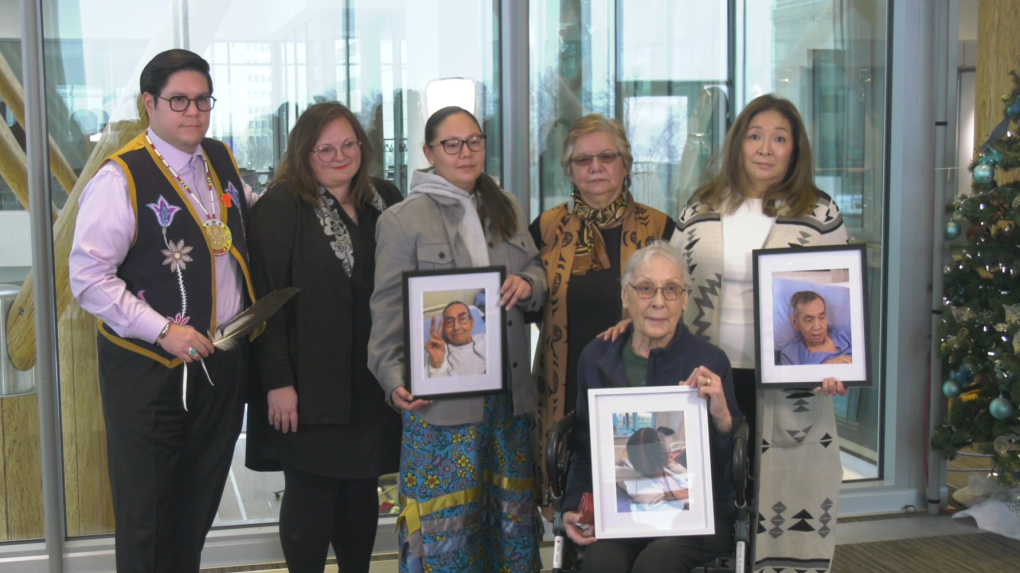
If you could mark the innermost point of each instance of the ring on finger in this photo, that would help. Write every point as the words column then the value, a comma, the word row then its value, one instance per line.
column 192, row 352
column 706, row 381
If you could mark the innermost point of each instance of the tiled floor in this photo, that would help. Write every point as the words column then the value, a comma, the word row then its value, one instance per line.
column 847, row 533
column 250, row 497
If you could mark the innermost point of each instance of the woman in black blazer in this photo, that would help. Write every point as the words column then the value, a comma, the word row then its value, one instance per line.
column 321, row 414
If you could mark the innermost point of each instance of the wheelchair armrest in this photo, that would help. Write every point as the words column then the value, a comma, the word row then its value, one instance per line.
column 557, row 454
column 740, row 460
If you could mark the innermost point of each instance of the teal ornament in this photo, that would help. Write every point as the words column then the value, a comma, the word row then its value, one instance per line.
column 1000, row 408
column 983, row 173
column 964, row 374
column 951, row 389
column 953, row 230
column 1013, row 112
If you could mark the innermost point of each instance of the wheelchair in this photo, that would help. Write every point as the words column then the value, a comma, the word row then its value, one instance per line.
column 567, row 557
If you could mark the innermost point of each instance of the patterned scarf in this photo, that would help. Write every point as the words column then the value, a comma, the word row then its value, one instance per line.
column 561, row 247
column 333, row 226
column 591, row 249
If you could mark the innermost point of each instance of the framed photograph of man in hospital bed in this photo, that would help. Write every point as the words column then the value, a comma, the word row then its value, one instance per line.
column 651, row 470
column 454, row 332
column 811, row 316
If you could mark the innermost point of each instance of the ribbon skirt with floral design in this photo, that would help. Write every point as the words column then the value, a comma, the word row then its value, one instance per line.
column 468, row 495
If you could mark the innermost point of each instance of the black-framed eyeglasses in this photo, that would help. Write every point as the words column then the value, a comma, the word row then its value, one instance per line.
column 182, row 103
column 453, row 146
column 648, row 290
column 605, row 158
column 327, row 153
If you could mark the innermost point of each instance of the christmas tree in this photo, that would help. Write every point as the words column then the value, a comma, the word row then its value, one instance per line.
column 980, row 332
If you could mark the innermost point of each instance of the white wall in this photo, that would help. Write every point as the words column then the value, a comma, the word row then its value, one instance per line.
column 10, row 19
column 15, row 247
column 965, row 131
column 968, row 31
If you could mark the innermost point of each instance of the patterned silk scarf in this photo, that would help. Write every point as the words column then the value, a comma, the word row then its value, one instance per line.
column 561, row 246
column 590, row 253
column 333, row 225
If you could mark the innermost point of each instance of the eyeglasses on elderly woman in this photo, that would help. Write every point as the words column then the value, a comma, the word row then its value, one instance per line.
column 605, row 158
column 671, row 291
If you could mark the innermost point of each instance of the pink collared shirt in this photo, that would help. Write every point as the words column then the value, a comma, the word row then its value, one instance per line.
column 103, row 234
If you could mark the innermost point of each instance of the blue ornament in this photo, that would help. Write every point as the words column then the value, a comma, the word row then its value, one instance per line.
column 964, row 374
column 953, row 230
column 1014, row 110
column 983, row 173
column 1000, row 408
column 951, row 389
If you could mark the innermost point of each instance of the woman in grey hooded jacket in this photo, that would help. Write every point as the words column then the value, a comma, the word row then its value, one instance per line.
column 466, row 482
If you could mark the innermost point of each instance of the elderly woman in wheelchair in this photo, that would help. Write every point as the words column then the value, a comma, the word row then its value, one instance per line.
column 656, row 350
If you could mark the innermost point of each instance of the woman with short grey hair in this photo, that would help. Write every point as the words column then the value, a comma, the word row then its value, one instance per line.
column 656, row 349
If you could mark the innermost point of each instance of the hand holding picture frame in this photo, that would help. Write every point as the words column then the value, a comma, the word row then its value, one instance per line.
column 811, row 316
column 651, row 466
column 454, row 332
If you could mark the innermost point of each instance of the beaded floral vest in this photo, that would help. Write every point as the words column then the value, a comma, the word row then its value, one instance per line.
column 170, row 264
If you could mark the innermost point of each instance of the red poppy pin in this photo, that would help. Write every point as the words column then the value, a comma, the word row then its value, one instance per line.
column 227, row 201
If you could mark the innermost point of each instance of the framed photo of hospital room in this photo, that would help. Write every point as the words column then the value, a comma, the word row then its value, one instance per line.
column 651, row 468
column 454, row 332
column 811, row 316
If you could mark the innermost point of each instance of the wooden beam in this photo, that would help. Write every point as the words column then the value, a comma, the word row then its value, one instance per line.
column 22, row 468
column 998, row 53
column 14, row 96
column 21, row 319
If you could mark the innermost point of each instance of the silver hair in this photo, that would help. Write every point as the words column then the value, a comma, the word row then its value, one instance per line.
column 653, row 249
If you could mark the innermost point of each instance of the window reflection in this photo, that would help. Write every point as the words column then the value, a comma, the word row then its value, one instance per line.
column 270, row 61
column 829, row 58
column 660, row 67
column 664, row 69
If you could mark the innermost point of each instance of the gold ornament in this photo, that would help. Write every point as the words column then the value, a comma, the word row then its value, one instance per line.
column 954, row 342
column 1001, row 327
column 1012, row 312
column 984, row 274
column 1007, row 443
column 1016, row 342
column 963, row 313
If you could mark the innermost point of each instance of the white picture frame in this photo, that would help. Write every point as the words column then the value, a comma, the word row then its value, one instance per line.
column 623, row 512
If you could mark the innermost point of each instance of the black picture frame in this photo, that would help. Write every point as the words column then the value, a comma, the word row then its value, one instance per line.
column 426, row 295
column 836, row 274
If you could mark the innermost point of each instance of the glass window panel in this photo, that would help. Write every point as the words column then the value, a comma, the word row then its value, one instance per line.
column 659, row 67
column 663, row 69
column 829, row 58
column 270, row 61
column 21, row 498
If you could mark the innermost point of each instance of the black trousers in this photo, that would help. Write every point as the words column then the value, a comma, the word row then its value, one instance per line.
column 319, row 510
column 660, row 554
column 168, row 466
